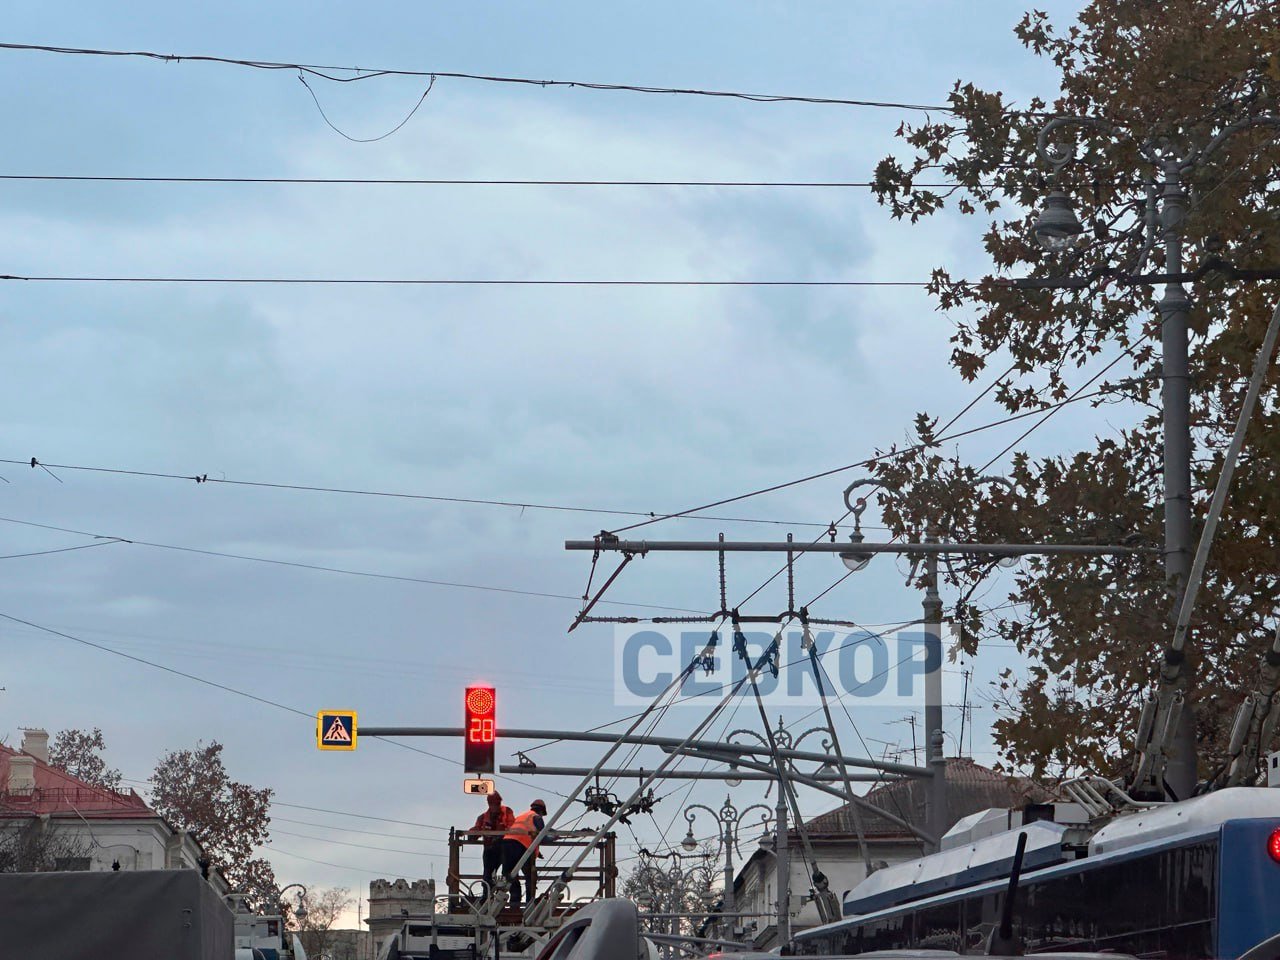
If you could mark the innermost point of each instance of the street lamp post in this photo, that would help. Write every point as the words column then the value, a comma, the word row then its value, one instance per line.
column 301, row 912
column 729, row 820
column 1056, row 229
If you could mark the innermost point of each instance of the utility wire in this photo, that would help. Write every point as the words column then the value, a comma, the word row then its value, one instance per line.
column 370, row 833
column 361, row 816
column 342, row 133
column 43, row 553
column 233, row 690
column 106, row 540
column 337, row 813
column 361, row 73
column 458, row 282
column 1127, row 352
column 869, row 461
column 458, row 182
column 434, row 498
column 362, row 846
column 272, row 848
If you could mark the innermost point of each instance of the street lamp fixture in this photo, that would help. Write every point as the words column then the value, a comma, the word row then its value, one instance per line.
column 853, row 559
column 300, row 912
column 731, row 781
column 689, row 842
column 1057, row 226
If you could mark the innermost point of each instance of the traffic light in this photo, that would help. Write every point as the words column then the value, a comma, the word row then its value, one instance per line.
column 479, row 730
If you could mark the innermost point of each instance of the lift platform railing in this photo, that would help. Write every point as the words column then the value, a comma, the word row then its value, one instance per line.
column 601, row 878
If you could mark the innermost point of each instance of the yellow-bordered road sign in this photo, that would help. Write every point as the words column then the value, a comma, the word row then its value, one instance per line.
column 336, row 729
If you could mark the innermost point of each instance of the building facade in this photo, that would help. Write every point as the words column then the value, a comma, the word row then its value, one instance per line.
column 49, row 820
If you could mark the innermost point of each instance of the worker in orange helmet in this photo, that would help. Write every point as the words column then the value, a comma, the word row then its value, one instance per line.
column 518, row 839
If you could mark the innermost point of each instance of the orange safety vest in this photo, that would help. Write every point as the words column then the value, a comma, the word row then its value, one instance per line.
column 522, row 828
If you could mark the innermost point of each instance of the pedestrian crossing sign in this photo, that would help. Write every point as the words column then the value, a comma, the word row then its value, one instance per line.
column 336, row 729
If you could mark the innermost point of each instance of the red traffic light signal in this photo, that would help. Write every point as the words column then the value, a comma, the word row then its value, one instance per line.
column 479, row 729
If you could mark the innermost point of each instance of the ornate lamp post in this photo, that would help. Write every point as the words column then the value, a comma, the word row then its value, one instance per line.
column 729, row 821
column 1057, row 229
column 301, row 912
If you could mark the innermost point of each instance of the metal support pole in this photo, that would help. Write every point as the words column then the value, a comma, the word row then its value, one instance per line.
column 1175, row 307
column 939, row 819
column 728, row 905
column 641, row 547
column 782, row 864
column 728, row 751
column 936, row 806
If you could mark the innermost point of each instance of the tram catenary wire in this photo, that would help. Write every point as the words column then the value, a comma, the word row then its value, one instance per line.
column 448, row 281
column 328, row 72
column 869, row 461
column 650, row 517
column 455, row 181
column 338, row 570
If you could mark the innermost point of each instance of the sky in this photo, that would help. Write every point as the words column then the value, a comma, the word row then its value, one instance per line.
column 620, row 398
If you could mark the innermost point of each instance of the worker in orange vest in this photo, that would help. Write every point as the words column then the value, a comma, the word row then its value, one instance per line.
column 518, row 839
column 489, row 825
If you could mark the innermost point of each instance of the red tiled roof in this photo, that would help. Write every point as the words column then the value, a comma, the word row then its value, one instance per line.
column 57, row 793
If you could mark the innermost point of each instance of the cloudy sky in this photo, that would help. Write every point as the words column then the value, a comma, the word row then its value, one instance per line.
column 616, row 398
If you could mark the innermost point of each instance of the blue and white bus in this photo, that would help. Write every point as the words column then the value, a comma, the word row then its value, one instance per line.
column 1192, row 880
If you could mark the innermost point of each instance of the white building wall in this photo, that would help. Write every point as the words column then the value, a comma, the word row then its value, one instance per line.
column 842, row 863
column 134, row 844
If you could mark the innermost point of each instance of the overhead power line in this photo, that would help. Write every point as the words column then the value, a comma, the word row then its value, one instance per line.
column 242, row 693
column 459, row 282
column 352, row 74
column 869, row 461
column 456, row 181
column 354, row 491
column 105, row 539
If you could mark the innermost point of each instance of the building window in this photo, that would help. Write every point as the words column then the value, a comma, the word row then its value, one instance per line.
column 71, row 863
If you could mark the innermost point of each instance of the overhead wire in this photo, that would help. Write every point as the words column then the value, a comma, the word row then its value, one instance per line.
column 450, row 281
column 370, row 833
column 45, row 553
column 271, row 847
column 360, row 846
column 107, row 540
column 360, row 73
column 452, row 181
column 343, row 133
column 229, row 689
column 395, row 495
column 1127, row 352
column 869, row 461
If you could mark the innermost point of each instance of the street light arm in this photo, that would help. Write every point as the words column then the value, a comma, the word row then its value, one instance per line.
column 766, row 818
column 690, row 816
column 1058, row 157
column 1266, row 120
column 862, row 501
column 733, row 733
